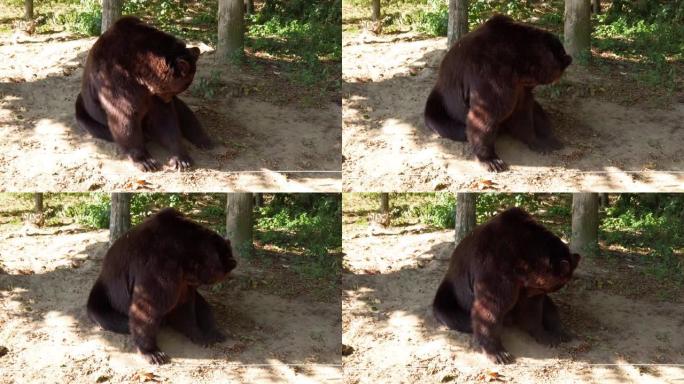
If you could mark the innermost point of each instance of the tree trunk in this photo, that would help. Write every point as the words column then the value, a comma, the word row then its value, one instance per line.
column 375, row 15
column 458, row 21
column 603, row 200
column 111, row 12
column 596, row 5
column 28, row 8
column 584, row 238
column 239, row 222
column 119, row 215
column 38, row 200
column 384, row 203
column 578, row 29
column 249, row 7
column 231, row 32
column 258, row 200
column 465, row 214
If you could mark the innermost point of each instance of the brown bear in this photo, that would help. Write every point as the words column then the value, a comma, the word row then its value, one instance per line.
column 502, row 272
column 485, row 86
column 150, row 277
column 128, row 93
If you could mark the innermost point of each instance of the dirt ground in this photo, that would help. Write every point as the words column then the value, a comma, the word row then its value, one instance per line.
column 49, row 339
column 261, row 146
column 609, row 146
column 392, row 275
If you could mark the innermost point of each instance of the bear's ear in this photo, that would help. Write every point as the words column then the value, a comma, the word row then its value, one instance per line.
column 195, row 52
column 565, row 267
column 576, row 258
column 183, row 66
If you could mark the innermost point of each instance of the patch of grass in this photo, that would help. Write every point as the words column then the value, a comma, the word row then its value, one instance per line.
column 207, row 86
column 654, row 45
column 656, row 229
column 311, row 229
column 439, row 212
column 92, row 213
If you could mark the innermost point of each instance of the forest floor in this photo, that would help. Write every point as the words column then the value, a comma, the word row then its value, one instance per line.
column 629, row 326
column 274, row 335
column 266, row 142
column 618, row 135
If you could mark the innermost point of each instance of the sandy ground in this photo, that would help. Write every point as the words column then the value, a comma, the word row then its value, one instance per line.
column 608, row 147
column 49, row 339
column 388, row 288
column 262, row 147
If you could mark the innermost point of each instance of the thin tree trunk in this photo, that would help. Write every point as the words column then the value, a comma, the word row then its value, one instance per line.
column 119, row 215
column 249, row 7
column 38, row 200
column 584, row 238
column 375, row 15
column 596, row 5
column 111, row 12
column 28, row 8
column 465, row 215
column 240, row 222
column 231, row 33
column 458, row 21
column 577, row 29
column 258, row 200
column 603, row 200
column 384, row 203
column 38, row 217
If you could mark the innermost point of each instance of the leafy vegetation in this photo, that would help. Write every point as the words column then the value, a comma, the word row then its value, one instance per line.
column 305, row 224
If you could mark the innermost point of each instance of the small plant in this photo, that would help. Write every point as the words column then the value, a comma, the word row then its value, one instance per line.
column 438, row 213
column 207, row 87
column 92, row 214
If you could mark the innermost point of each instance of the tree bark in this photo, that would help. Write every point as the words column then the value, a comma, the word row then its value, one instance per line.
column 584, row 238
column 38, row 200
column 239, row 222
column 375, row 15
column 111, row 12
column 603, row 200
column 28, row 8
column 577, row 29
column 384, row 203
column 596, row 5
column 231, row 30
column 465, row 215
column 458, row 21
column 119, row 215
column 258, row 200
column 249, row 7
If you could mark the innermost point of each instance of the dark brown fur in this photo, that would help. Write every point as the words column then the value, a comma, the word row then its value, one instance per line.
column 150, row 277
column 128, row 93
column 503, row 271
column 485, row 87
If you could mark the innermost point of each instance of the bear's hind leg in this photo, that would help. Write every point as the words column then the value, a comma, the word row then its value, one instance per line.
column 551, row 321
column 437, row 119
column 86, row 122
column 190, row 127
column 162, row 126
column 542, row 128
column 447, row 310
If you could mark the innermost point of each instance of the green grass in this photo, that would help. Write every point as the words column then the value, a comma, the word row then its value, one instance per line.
column 658, row 233
column 314, row 233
